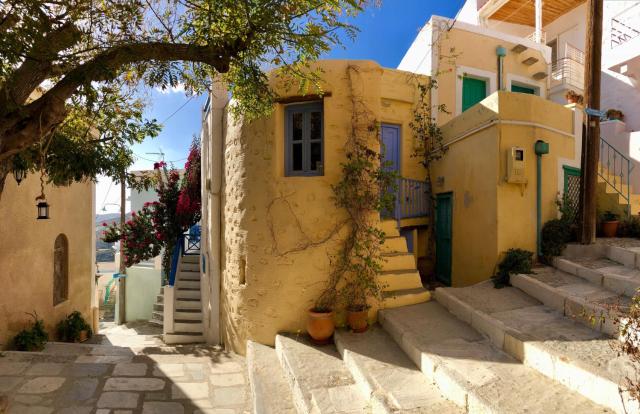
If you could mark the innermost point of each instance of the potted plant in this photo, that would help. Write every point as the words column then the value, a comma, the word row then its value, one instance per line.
column 73, row 328
column 615, row 114
column 610, row 224
column 573, row 97
column 320, row 323
column 31, row 339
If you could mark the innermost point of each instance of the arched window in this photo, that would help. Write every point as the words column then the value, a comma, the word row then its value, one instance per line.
column 60, row 269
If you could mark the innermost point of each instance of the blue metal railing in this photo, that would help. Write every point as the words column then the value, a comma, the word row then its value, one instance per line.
column 615, row 170
column 411, row 199
column 186, row 244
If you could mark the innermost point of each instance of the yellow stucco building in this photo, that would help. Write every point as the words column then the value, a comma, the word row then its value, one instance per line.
column 47, row 265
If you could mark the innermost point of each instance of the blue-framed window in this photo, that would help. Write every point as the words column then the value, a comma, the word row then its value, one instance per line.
column 304, row 140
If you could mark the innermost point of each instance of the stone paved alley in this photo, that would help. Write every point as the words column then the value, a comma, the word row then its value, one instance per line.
column 124, row 371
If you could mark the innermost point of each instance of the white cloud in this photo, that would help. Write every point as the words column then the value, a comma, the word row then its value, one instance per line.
column 179, row 88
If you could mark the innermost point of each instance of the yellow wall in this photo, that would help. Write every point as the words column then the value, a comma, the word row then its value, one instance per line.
column 279, row 232
column 26, row 253
column 490, row 215
column 459, row 49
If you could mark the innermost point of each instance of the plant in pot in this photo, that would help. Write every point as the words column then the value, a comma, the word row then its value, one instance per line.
column 320, row 322
column 573, row 97
column 74, row 328
column 615, row 114
column 33, row 338
column 610, row 224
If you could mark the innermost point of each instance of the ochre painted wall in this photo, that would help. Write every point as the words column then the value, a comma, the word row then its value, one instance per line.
column 279, row 232
column 490, row 215
column 459, row 49
column 26, row 254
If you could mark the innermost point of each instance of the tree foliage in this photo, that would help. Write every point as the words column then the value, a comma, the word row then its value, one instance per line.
column 55, row 56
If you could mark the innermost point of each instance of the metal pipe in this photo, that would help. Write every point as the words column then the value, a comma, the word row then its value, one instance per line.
column 541, row 148
column 538, row 32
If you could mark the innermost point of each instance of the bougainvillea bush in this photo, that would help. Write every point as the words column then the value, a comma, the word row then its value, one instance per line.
column 159, row 224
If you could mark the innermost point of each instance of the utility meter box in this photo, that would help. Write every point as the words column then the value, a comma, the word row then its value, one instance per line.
column 516, row 166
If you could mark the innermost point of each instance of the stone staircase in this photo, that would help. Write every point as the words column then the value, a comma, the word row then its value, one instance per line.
column 157, row 315
column 187, row 324
column 540, row 346
column 399, row 277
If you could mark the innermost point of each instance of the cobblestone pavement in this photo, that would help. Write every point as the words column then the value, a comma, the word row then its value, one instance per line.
column 128, row 370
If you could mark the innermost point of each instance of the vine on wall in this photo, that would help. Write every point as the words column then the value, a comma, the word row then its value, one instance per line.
column 363, row 192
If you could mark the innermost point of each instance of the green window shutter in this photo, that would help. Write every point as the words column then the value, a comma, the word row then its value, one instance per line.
column 473, row 91
column 522, row 89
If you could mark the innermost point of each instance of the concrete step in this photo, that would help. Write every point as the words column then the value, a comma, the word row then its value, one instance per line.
column 188, row 293
column 159, row 316
column 470, row 371
column 159, row 298
column 390, row 228
column 190, row 267
column 405, row 297
column 319, row 380
column 400, row 280
column 189, row 284
column 188, row 304
column 188, row 325
column 188, row 314
column 544, row 339
column 394, row 245
column 155, row 321
column 590, row 304
column 387, row 377
column 398, row 261
column 158, row 307
column 603, row 272
column 270, row 391
column 182, row 338
column 611, row 249
column 188, row 276
column 190, row 258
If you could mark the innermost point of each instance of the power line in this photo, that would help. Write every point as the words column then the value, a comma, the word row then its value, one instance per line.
column 178, row 110
column 107, row 195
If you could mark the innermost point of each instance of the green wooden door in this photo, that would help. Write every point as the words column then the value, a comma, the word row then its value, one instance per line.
column 444, row 207
column 473, row 91
column 522, row 89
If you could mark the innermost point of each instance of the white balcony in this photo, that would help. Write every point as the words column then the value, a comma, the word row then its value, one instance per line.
column 623, row 55
column 568, row 72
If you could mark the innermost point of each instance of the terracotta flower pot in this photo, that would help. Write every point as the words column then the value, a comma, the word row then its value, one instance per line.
column 84, row 335
column 320, row 326
column 610, row 228
column 357, row 320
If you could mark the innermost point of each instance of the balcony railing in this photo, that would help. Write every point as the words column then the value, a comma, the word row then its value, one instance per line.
column 411, row 200
column 615, row 169
column 625, row 26
column 187, row 243
column 568, row 72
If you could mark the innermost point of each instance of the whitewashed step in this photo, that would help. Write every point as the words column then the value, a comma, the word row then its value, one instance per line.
column 189, row 267
column 188, row 304
column 394, row 245
column 397, row 261
column 188, row 293
column 189, row 284
column 387, row 377
column 156, row 321
column 542, row 338
column 182, row 338
column 603, row 272
column 574, row 297
column 158, row 307
column 404, row 297
column 159, row 298
column 270, row 391
column 608, row 248
column 186, row 325
column 470, row 371
column 188, row 276
column 188, row 314
column 319, row 380
column 190, row 258
column 399, row 280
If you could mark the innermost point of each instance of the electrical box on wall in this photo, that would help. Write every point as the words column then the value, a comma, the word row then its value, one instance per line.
column 516, row 173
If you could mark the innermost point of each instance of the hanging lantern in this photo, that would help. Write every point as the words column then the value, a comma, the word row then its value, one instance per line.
column 43, row 210
column 19, row 169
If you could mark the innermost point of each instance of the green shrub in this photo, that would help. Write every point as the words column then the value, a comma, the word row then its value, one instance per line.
column 629, row 227
column 33, row 338
column 555, row 235
column 68, row 329
column 515, row 261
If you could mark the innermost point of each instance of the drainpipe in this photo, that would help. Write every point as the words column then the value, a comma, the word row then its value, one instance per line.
column 538, row 11
column 501, row 52
column 541, row 148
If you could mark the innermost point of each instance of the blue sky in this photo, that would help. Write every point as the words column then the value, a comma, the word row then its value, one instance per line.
column 385, row 35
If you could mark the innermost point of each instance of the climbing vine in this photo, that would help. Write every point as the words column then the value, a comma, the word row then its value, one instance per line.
column 362, row 192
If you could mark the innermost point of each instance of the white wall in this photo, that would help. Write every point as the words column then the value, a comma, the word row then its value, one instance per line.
column 138, row 198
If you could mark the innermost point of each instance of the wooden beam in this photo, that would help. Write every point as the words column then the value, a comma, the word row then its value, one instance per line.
column 302, row 98
column 591, row 139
